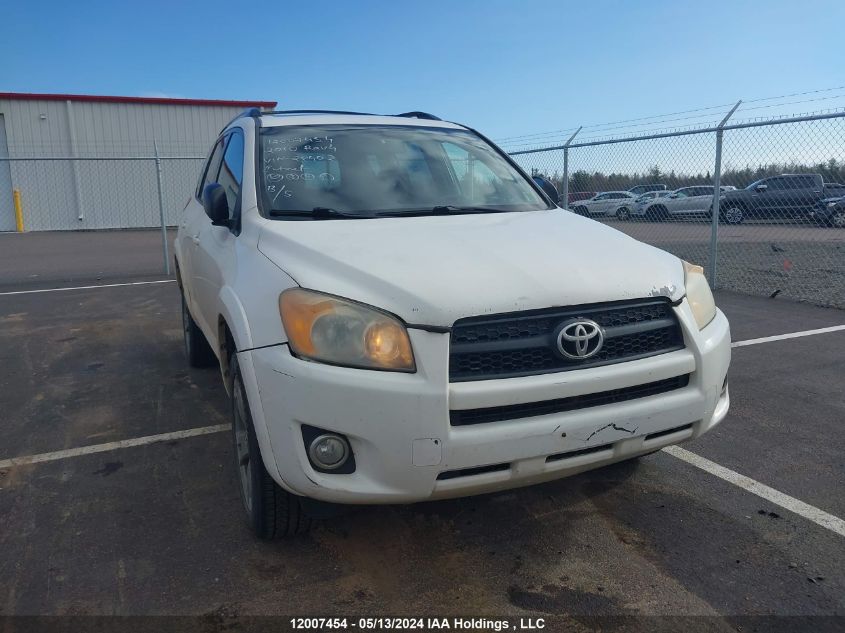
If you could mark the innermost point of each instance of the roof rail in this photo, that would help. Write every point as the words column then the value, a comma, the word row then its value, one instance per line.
column 416, row 114
column 255, row 112
column 249, row 112
column 316, row 112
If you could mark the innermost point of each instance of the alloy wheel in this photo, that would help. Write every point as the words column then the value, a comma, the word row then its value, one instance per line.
column 733, row 215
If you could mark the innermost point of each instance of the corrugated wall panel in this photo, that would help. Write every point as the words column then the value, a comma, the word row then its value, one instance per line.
column 106, row 193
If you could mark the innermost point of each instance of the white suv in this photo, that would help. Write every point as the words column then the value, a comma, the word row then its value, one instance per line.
column 400, row 314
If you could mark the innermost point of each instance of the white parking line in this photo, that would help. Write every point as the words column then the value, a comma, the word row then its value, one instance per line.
column 811, row 513
column 805, row 510
column 110, row 446
column 781, row 337
column 128, row 283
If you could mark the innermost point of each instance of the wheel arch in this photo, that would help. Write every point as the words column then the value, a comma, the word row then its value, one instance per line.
column 233, row 332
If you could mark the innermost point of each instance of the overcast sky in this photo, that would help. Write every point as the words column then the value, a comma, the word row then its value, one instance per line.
column 505, row 68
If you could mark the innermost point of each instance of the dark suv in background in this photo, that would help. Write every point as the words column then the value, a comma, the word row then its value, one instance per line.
column 784, row 197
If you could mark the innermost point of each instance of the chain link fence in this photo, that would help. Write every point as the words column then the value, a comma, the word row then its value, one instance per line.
column 102, row 193
column 106, row 191
column 778, row 185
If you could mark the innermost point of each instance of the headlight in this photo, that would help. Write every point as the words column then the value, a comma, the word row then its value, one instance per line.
column 340, row 332
column 699, row 297
column 832, row 204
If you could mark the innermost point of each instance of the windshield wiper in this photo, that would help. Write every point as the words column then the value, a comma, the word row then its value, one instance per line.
column 318, row 213
column 446, row 209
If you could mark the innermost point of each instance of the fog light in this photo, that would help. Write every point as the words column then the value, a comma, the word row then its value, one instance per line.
column 329, row 451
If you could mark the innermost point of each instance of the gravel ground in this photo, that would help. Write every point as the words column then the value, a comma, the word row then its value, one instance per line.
column 804, row 263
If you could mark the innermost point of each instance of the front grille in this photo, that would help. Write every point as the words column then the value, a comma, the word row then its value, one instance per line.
column 523, row 343
column 546, row 407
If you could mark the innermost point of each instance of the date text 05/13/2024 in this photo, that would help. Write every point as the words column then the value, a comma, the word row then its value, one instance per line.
column 418, row 624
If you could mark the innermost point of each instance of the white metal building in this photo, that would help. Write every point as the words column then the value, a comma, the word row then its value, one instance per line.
column 90, row 160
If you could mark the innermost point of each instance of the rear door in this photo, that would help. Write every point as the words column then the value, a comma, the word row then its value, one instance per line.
column 678, row 202
column 701, row 199
column 804, row 192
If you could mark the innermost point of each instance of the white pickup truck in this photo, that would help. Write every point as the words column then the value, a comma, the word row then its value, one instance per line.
column 400, row 314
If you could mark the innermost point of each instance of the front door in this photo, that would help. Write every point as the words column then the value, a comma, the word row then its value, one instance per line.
column 192, row 223
column 215, row 252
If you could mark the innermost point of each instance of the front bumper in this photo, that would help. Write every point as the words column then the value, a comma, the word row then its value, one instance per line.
column 406, row 450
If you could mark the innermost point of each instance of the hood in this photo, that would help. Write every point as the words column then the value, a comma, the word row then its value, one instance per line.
column 434, row 270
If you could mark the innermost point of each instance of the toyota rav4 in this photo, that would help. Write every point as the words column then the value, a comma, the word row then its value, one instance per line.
column 400, row 313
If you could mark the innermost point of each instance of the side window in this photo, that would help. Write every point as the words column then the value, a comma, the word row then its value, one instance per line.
column 232, row 170
column 775, row 183
column 211, row 168
column 603, row 196
column 682, row 193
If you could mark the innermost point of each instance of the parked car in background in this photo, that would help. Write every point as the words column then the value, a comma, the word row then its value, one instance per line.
column 575, row 196
column 607, row 203
column 639, row 189
column 642, row 201
column 830, row 212
column 784, row 197
column 686, row 201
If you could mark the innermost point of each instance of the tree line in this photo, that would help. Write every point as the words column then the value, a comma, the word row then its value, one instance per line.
column 582, row 180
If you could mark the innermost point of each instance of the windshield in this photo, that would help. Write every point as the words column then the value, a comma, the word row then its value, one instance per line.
column 366, row 169
column 754, row 184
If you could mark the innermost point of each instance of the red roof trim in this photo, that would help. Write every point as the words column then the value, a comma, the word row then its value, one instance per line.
column 25, row 96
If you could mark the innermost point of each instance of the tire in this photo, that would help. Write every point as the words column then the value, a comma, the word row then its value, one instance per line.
column 623, row 213
column 733, row 214
column 271, row 511
column 197, row 349
column 837, row 219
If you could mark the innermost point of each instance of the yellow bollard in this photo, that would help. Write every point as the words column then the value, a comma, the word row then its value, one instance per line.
column 16, row 194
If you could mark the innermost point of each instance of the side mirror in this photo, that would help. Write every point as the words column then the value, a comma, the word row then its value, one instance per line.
column 761, row 188
column 548, row 188
column 215, row 204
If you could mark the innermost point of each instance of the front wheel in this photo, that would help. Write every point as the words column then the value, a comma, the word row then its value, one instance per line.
column 623, row 213
column 271, row 511
column 837, row 219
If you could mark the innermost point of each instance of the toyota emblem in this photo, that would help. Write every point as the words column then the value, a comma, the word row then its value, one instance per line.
column 580, row 339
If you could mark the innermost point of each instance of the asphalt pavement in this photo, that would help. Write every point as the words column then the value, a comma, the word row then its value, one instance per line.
column 158, row 529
